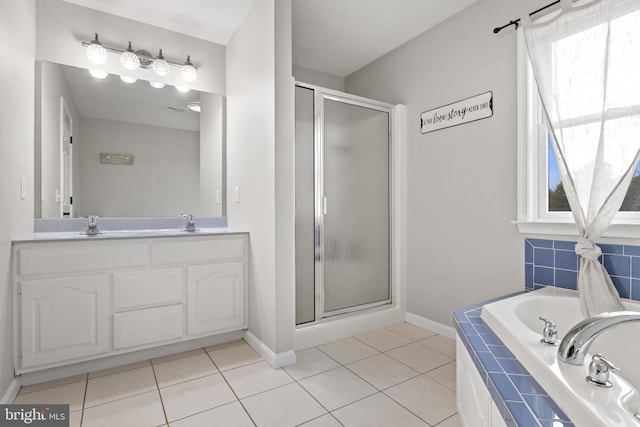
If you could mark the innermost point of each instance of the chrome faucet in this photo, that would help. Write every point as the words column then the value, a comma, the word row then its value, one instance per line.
column 549, row 333
column 576, row 342
column 191, row 222
column 92, row 227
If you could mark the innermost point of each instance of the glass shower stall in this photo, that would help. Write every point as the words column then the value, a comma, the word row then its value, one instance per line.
column 343, row 232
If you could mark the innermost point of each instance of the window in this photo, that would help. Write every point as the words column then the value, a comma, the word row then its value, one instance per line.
column 542, row 206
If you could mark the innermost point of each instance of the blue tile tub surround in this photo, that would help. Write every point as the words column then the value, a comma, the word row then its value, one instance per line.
column 555, row 263
column 522, row 402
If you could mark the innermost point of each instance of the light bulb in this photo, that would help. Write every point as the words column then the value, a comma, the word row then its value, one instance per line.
column 128, row 79
column 99, row 74
column 129, row 59
column 156, row 85
column 161, row 66
column 96, row 53
column 188, row 72
column 182, row 89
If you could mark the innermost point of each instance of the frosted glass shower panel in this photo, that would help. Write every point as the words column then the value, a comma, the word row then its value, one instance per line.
column 356, row 218
column 305, row 243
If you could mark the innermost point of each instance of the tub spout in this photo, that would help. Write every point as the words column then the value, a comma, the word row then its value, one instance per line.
column 576, row 342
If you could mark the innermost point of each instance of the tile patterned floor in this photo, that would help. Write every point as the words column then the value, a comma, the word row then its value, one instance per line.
column 400, row 376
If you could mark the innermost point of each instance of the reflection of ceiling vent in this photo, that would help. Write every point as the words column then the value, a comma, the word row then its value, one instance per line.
column 177, row 109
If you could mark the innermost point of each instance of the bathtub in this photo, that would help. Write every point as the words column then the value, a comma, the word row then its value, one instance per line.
column 516, row 322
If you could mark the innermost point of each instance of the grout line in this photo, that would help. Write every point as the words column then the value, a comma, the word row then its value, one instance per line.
column 164, row 411
column 232, row 390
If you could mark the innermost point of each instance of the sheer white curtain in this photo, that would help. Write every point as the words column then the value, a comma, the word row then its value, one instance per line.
column 586, row 61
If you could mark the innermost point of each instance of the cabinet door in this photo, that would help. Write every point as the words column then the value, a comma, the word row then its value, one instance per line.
column 472, row 395
column 216, row 297
column 63, row 318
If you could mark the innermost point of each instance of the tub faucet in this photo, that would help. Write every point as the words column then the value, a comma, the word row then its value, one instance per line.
column 92, row 227
column 576, row 342
column 190, row 225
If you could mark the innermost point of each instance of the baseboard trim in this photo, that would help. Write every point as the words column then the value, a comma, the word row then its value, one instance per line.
column 11, row 393
column 423, row 322
column 276, row 360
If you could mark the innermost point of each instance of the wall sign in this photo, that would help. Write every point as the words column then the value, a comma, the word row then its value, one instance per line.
column 116, row 159
column 468, row 110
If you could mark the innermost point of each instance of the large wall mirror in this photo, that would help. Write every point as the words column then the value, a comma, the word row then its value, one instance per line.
column 124, row 150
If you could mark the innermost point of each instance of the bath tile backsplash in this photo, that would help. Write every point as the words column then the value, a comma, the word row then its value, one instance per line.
column 555, row 263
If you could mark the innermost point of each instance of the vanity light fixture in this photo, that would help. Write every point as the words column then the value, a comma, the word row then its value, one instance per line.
column 156, row 85
column 99, row 74
column 188, row 71
column 96, row 52
column 132, row 60
column 161, row 66
column 182, row 89
column 129, row 59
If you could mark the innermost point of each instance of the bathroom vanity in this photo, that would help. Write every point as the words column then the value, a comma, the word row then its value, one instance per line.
column 83, row 298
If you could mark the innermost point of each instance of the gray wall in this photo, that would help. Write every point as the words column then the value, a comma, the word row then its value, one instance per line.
column 462, row 247
column 318, row 78
column 17, row 33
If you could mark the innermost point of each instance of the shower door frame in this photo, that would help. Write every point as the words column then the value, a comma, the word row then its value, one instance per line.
column 321, row 204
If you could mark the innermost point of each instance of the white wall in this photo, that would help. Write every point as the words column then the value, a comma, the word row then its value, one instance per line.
column 462, row 248
column 318, row 78
column 54, row 86
column 63, row 26
column 149, row 187
column 259, row 140
column 17, row 33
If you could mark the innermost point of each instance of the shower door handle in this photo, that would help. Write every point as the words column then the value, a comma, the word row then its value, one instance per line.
column 324, row 205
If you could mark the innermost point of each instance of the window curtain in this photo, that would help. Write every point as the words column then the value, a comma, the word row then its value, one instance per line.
column 586, row 62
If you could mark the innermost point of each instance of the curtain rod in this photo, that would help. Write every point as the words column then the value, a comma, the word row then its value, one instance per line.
column 516, row 22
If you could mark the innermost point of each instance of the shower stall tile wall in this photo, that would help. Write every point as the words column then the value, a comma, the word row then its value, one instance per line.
column 555, row 263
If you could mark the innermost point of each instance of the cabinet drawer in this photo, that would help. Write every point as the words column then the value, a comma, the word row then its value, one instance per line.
column 79, row 258
column 152, row 325
column 147, row 288
column 197, row 250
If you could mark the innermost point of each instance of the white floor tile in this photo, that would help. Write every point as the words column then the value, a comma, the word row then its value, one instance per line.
column 426, row 398
column 75, row 419
column 234, row 356
column 289, row 405
column 451, row 422
column 71, row 394
column 445, row 375
column 255, row 378
column 383, row 340
column 381, row 371
column 184, row 369
column 323, row 421
column 419, row 357
column 191, row 397
column 348, row 350
column 142, row 410
column 118, row 386
column 377, row 410
column 337, row 388
column 442, row 344
column 310, row 362
column 412, row 332
column 229, row 415
column 224, row 345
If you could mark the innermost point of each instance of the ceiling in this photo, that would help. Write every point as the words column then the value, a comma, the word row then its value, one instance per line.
column 333, row 36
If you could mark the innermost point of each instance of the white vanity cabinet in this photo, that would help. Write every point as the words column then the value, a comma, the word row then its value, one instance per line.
column 79, row 300
column 475, row 405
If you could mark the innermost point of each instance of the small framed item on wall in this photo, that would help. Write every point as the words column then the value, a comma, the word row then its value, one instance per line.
column 116, row 159
column 458, row 113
